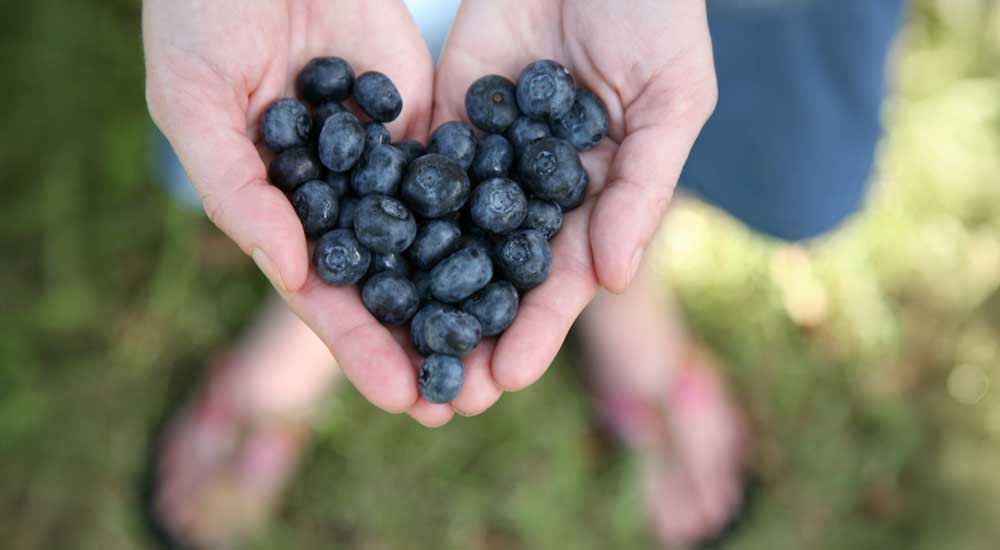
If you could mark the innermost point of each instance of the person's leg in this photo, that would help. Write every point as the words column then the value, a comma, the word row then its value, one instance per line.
column 788, row 152
column 225, row 457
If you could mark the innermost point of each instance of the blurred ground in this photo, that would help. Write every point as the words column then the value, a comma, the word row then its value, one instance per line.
column 865, row 360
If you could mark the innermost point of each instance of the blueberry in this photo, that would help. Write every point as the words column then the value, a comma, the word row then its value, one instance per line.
column 545, row 90
column 422, row 280
column 494, row 157
column 460, row 275
column 495, row 306
column 341, row 142
column 317, row 206
column 379, row 171
column 378, row 96
column 456, row 140
column 390, row 297
column 320, row 114
column 524, row 258
column 491, row 103
column 383, row 224
column 340, row 259
column 545, row 217
column 375, row 134
column 293, row 167
column 586, row 123
column 498, row 205
column 435, row 240
column 285, row 125
column 348, row 206
column 550, row 168
column 440, row 378
column 412, row 149
column 577, row 195
column 526, row 131
column 325, row 79
column 481, row 242
column 389, row 263
column 451, row 332
column 338, row 182
column 418, row 323
column 435, row 185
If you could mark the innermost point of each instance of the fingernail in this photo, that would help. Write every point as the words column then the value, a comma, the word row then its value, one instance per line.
column 634, row 270
column 267, row 266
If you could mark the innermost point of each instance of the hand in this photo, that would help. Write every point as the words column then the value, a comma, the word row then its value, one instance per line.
column 212, row 69
column 651, row 63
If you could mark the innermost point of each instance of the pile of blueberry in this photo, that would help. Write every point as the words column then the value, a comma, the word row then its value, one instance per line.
column 444, row 237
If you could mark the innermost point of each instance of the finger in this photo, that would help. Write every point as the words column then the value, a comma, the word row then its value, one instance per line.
column 431, row 415
column 641, row 182
column 546, row 312
column 479, row 391
column 367, row 352
column 207, row 128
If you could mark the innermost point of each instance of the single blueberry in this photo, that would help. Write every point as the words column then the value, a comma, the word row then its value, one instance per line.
column 577, row 195
column 440, row 378
column 383, row 224
column 293, row 167
column 494, row 157
column 390, row 297
column 545, row 90
column 550, row 168
column 418, row 322
column 451, row 332
column 341, row 142
column 412, row 149
column 338, row 181
column 526, row 131
column 435, row 240
column 348, row 206
column 586, row 123
column 317, row 206
column 340, row 259
column 378, row 96
column 379, row 171
column 285, row 125
column 422, row 280
column 435, row 185
column 498, row 205
column 545, row 217
column 325, row 79
column 375, row 133
column 524, row 258
column 495, row 306
column 460, row 275
column 491, row 103
column 455, row 140
column 391, row 263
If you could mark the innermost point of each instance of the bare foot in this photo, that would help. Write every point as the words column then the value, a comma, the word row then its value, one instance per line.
column 220, row 471
column 224, row 460
column 663, row 397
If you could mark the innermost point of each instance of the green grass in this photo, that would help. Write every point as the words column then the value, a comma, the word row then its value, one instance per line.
column 865, row 361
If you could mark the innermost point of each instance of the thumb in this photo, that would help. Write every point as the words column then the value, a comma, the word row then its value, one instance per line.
column 660, row 130
column 209, row 134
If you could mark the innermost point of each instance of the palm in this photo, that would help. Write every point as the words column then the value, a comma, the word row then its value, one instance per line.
column 213, row 67
column 658, row 92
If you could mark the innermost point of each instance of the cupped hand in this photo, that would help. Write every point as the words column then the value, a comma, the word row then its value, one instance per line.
column 650, row 61
column 212, row 69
